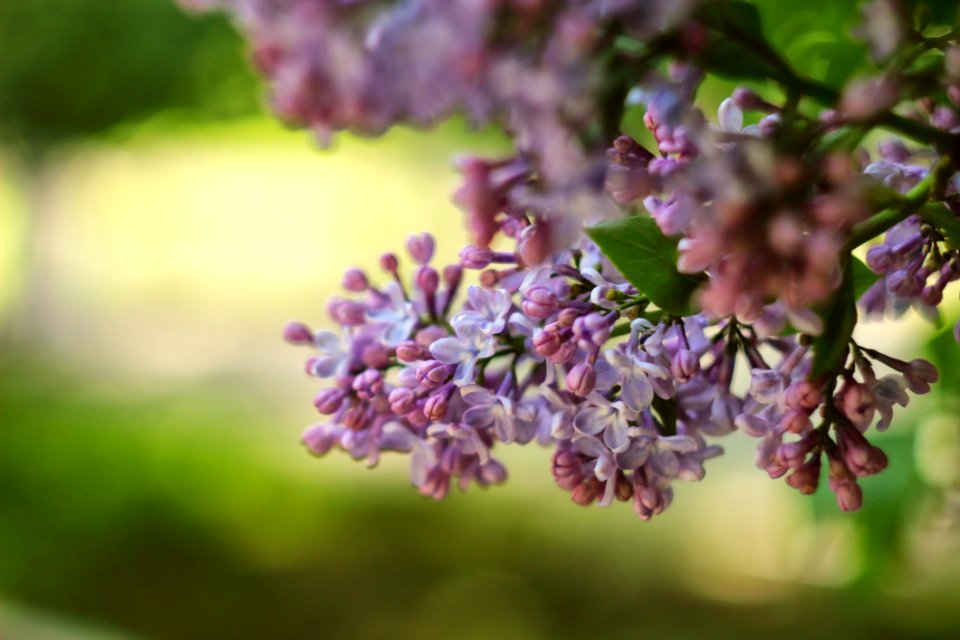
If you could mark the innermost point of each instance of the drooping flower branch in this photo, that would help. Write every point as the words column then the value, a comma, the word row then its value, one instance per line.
column 632, row 304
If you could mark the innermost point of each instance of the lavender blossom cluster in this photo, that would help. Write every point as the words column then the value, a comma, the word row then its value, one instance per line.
column 626, row 302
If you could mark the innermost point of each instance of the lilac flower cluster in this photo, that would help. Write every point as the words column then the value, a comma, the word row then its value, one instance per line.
column 627, row 302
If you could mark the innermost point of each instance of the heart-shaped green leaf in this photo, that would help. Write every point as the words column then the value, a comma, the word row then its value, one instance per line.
column 648, row 259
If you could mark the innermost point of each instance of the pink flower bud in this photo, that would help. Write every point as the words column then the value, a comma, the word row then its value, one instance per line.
column 493, row 473
column 581, row 379
column 796, row 421
column 749, row 101
column 534, row 244
column 347, row 312
column 433, row 373
column 857, row 403
column 860, row 457
column 684, row 365
column 849, row 496
column 409, row 351
column 354, row 418
column 452, row 274
column 389, row 262
column 402, row 400
column 568, row 316
column 376, row 356
column 806, row 478
column 548, row 341
column 567, row 469
column 793, row 454
column 473, row 257
column 564, row 353
column 436, row 407
column 297, row 333
column 803, row 394
column 355, row 280
column 318, row 439
column 428, row 280
column 416, row 418
column 586, row 492
column 329, row 401
column 368, row 384
column 539, row 302
column 421, row 248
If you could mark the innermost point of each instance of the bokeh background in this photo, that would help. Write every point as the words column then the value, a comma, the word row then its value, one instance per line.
column 157, row 229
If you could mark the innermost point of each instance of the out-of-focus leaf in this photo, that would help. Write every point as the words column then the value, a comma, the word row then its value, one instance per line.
column 863, row 277
column 839, row 318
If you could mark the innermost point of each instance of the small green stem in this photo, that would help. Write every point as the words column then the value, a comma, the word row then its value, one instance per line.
column 910, row 204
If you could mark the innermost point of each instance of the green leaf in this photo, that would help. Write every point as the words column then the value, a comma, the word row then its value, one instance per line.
column 863, row 277
column 839, row 319
column 648, row 259
column 738, row 13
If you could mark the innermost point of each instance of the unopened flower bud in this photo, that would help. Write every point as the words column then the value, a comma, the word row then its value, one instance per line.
column 347, row 312
column 803, row 394
column 421, row 248
column 318, row 439
column 684, row 365
column 473, row 257
column 749, row 100
column 534, row 244
column 796, row 421
column 624, row 489
column 548, row 341
column 806, row 478
column 354, row 418
column 436, row 407
column 329, row 400
column 539, row 302
column 857, row 403
column 376, row 356
column 427, row 279
column 355, row 280
column 389, row 262
column 849, row 496
column 409, row 351
column 433, row 373
column 402, row 400
column 567, row 469
column 493, row 473
column 568, row 316
column 297, row 333
column 879, row 258
column 581, row 379
column 586, row 492
column 452, row 273
column 368, row 384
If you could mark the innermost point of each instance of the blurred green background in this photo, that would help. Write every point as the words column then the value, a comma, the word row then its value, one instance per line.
column 157, row 229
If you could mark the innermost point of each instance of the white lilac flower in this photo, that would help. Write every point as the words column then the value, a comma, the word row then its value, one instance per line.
column 632, row 374
column 498, row 411
column 396, row 314
column 331, row 358
column 464, row 350
column 601, row 416
column 488, row 309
